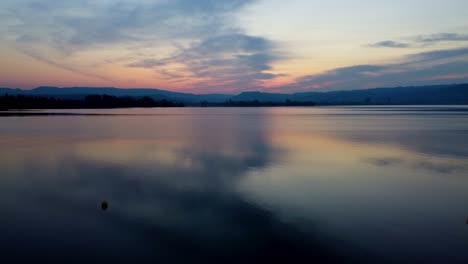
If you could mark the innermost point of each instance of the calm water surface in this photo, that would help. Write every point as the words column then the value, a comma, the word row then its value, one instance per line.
column 251, row 185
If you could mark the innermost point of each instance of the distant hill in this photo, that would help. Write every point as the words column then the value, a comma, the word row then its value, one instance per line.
column 437, row 94
column 82, row 92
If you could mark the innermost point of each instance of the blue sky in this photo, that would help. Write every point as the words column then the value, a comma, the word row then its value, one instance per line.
column 233, row 45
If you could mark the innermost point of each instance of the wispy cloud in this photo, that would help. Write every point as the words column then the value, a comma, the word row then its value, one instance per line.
column 441, row 37
column 421, row 40
column 389, row 44
column 37, row 56
column 75, row 25
column 231, row 60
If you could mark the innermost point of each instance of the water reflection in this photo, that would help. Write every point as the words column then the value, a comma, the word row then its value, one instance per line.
column 253, row 185
column 394, row 199
column 170, row 183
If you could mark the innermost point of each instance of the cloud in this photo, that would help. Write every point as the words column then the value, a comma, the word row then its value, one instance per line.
column 441, row 37
column 435, row 55
column 236, row 61
column 202, row 43
column 421, row 40
column 435, row 67
column 195, row 42
column 74, row 25
column 389, row 44
column 147, row 63
column 384, row 161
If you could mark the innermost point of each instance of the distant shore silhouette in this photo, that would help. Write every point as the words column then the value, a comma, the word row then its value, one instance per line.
column 8, row 102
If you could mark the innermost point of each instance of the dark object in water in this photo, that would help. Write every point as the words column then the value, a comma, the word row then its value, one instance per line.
column 104, row 205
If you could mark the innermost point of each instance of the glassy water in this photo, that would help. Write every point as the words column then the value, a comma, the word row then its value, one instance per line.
column 219, row 185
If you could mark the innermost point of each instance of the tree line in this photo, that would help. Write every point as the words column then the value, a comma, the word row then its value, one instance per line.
column 90, row 101
column 108, row 101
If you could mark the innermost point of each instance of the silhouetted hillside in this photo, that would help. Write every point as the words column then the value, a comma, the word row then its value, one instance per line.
column 439, row 94
column 82, row 92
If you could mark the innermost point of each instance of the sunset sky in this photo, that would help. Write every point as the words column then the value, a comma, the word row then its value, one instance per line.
column 229, row 46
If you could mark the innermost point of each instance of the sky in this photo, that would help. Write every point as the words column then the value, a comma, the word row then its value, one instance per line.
column 230, row 46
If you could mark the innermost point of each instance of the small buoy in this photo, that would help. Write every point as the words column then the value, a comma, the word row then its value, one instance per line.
column 104, row 205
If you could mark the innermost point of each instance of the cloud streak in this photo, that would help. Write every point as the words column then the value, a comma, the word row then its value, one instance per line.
column 389, row 44
column 436, row 67
column 37, row 56
column 421, row 40
column 441, row 37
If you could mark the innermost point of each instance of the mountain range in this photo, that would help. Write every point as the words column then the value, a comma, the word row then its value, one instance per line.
column 435, row 94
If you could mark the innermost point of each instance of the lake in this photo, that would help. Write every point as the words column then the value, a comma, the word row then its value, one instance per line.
column 228, row 185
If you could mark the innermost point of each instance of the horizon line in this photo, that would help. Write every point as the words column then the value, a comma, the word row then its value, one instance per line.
column 220, row 93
